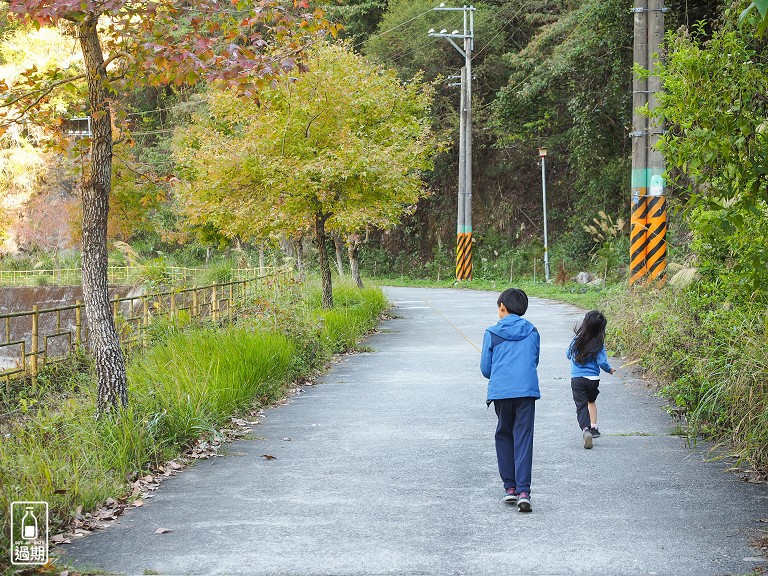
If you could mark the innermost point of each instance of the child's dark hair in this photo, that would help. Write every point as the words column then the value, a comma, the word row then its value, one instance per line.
column 590, row 337
column 514, row 300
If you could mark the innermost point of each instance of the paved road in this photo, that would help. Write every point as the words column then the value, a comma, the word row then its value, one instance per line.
column 390, row 469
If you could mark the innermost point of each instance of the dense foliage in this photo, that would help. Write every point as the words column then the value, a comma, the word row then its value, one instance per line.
column 715, row 103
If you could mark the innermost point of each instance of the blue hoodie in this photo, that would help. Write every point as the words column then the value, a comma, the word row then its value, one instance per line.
column 509, row 359
column 590, row 367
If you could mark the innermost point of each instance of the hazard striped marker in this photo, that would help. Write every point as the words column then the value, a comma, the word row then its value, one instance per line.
column 656, row 246
column 638, row 239
column 464, row 256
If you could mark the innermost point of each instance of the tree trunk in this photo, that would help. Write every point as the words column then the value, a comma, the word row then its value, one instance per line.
column 339, row 260
column 325, row 265
column 96, row 185
column 353, row 247
column 298, row 246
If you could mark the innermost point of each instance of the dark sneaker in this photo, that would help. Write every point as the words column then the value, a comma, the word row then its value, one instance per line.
column 524, row 502
column 595, row 432
column 509, row 496
column 587, row 438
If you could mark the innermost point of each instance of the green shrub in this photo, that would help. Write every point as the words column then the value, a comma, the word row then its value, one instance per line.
column 710, row 356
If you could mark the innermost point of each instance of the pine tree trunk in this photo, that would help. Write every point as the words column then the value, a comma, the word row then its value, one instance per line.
column 96, row 185
column 325, row 265
column 339, row 260
column 353, row 248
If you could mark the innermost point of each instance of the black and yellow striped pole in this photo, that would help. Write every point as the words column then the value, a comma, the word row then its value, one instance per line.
column 464, row 255
column 638, row 235
column 656, row 245
column 648, row 230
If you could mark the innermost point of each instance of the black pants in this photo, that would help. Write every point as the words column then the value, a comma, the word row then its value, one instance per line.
column 584, row 391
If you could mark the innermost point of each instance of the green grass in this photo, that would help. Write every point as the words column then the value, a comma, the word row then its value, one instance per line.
column 710, row 356
column 586, row 297
column 187, row 385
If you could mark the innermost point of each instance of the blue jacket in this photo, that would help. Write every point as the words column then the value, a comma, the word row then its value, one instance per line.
column 592, row 367
column 509, row 359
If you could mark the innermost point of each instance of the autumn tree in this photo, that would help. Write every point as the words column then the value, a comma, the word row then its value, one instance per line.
column 341, row 146
column 126, row 43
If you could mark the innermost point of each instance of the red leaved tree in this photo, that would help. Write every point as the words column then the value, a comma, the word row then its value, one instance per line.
column 239, row 44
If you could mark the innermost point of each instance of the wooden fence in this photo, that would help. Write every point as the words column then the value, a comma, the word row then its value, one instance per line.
column 119, row 275
column 33, row 338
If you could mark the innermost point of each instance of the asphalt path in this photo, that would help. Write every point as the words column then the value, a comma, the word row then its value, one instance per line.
column 387, row 466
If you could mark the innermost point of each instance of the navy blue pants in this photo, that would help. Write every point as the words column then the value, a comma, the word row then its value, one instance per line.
column 584, row 391
column 514, row 441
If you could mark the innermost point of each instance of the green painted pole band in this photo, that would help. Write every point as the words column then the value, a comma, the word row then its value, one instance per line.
column 641, row 177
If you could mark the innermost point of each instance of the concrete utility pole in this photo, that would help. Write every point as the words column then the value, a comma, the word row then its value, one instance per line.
column 464, row 216
column 648, row 247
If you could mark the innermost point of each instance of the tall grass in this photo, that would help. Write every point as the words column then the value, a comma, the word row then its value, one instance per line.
column 711, row 358
column 192, row 382
column 187, row 385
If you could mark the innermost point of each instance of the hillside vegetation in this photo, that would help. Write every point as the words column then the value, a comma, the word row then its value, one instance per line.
column 555, row 73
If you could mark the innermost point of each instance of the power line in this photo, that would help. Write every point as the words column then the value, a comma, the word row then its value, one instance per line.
column 503, row 27
column 390, row 30
column 150, row 132
column 565, row 40
column 169, row 108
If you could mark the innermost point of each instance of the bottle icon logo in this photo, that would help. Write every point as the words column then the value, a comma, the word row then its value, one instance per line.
column 29, row 524
column 29, row 533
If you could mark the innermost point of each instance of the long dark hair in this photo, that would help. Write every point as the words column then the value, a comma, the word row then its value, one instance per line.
column 590, row 337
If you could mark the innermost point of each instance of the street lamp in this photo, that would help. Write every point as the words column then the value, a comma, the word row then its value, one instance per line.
column 543, row 155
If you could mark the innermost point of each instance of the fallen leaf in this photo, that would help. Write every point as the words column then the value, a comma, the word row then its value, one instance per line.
column 138, row 503
column 269, row 457
column 60, row 539
column 286, row 439
column 110, row 502
column 163, row 531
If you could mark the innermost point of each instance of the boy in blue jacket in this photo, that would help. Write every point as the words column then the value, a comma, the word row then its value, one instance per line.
column 510, row 357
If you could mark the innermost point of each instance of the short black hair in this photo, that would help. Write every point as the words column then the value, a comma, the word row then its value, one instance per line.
column 514, row 300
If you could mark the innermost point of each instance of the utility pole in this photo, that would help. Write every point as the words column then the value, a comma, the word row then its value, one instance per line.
column 656, row 255
column 648, row 248
column 638, row 237
column 464, row 211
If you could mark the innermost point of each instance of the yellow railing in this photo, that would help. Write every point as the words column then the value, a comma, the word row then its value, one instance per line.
column 33, row 338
